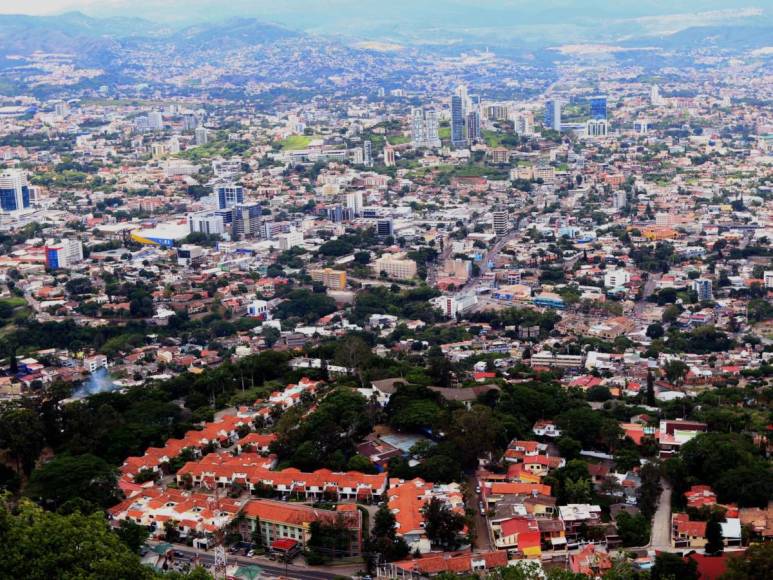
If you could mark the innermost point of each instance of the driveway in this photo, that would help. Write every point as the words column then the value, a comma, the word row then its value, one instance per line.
column 661, row 523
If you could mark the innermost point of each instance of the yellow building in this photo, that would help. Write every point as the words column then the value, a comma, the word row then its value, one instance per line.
column 396, row 266
column 333, row 279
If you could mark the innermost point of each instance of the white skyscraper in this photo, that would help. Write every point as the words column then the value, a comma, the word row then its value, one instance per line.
column 155, row 121
column 354, row 202
column 424, row 128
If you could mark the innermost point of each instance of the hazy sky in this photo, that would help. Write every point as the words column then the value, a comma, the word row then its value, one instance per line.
column 382, row 17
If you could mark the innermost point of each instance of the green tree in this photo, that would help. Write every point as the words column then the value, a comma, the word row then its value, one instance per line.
column 671, row 566
column 755, row 564
column 68, row 477
column 442, row 524
column 132, row 534
column 383, row 539
column 21, row 433
column 41, row 544
column 634, row 530
column 715, row 543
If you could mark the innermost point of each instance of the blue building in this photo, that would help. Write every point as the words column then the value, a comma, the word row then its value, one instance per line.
column 14, row 191
column 229, row 195
column 598, row 107
column 458, row 137
column 552, row 118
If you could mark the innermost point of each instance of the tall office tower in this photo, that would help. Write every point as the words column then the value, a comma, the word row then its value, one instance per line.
column 190, row 122
column 155, row 121
column 354, row 202
column 655, row 99
column 385, row 227
column 598, row 107
column 458, row 138
column 229, row 195
column 60, row 109
column 201, row 135
column 367, row 153
column 553, row 114
column 473, row 127
column 424, row 128
column 501, row 221
column 461, row 92
column 14, row 190
column 246, row 220
column 389, row 155
column 702, row 287
column 619, row 200
column 524, row 123
column 358, row 156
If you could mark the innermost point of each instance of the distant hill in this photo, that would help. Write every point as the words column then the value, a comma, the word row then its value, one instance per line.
column 734, row 38
column 230, row 34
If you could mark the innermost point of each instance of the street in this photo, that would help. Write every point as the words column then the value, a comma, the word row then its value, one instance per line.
column 661, row 523
column 269, row 567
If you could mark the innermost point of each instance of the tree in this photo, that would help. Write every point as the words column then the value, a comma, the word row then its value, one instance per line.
column 383, row 539
column 755, row 564
column 270, row 335
column 634, row 530
column 670, row 566
column 675, row 371
column 442, row 524
column 133, row 535
column 715, row 544
column 354, row 353
column 655, row 330
column 650, row 392
column 41, row 544
column 68, row 477
column 21, row 433
column 476, row 432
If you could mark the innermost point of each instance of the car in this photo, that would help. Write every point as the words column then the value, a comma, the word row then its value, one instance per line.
column 477, row 489
column 251, row 553
column 178, row 554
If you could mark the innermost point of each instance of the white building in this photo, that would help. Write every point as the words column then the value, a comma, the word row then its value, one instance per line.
column 616, row 278
column 290, row 240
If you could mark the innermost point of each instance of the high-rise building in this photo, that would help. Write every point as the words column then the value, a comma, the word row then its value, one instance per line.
column 229, row 195
column 619, row 199
column 424, row 128
column 64, row 254
column 473, row 127
column 501, row 221
column 524, row 123
column 206, row 222
column 354, row 202
column 703, row 289
column 201, row 136
column 155, row 121
column 190, row 122
column 458, row 137
column 641, row 126
column 598, row 107
column 553, row 114
column 385, row 227
column 596, row 128
column 389, row 155
column 655, row 99
column 246, row 220
column 14, row 190
column 367, row 153
column 61, row 109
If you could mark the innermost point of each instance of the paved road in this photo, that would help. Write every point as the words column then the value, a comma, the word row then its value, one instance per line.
column 271, row 568
column 482, row 536
column 661, row 523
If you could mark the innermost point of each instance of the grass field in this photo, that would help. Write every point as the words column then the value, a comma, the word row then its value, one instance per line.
column 398, row 139
column 294, row 142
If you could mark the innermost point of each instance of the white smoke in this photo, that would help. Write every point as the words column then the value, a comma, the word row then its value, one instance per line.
column 100, row 381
